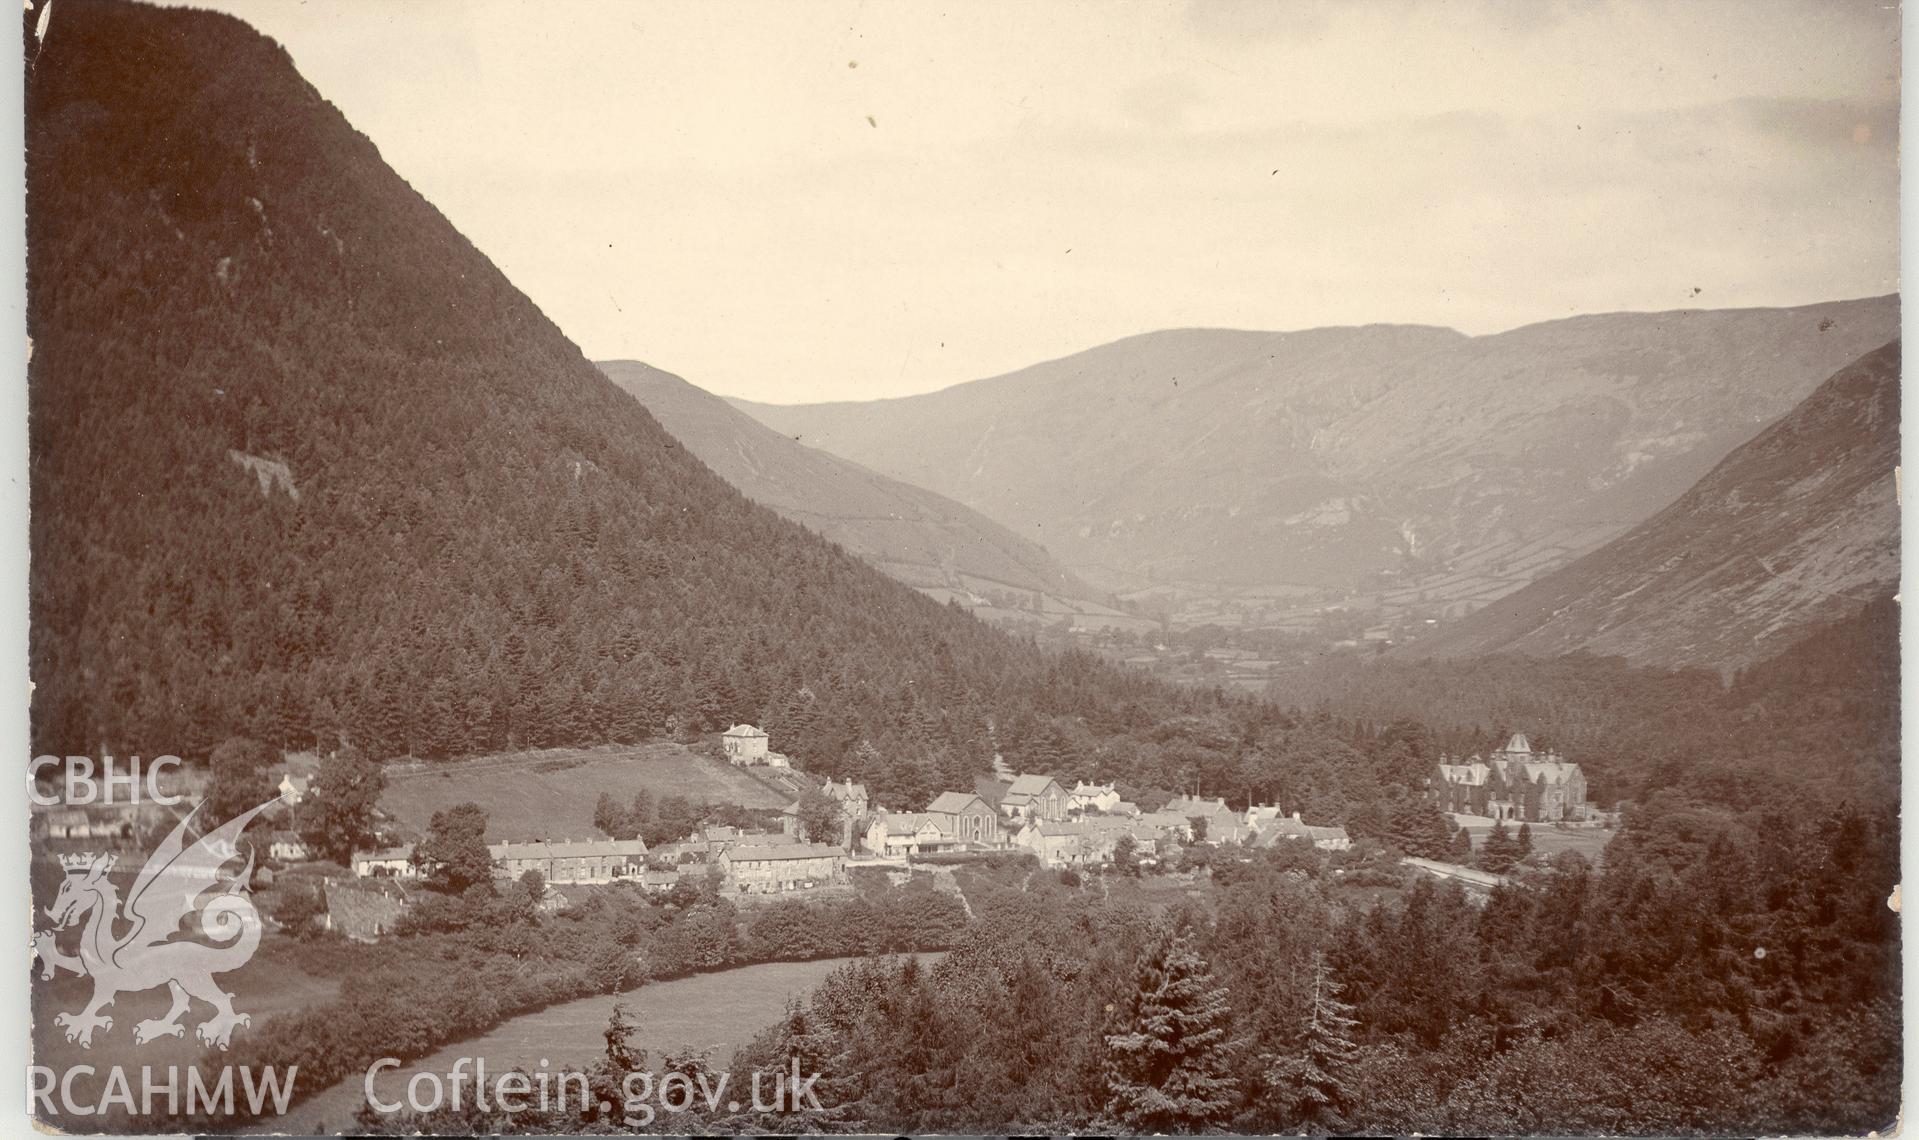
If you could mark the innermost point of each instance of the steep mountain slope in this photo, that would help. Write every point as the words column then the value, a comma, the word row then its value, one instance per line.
column 306, row 466
column 923, row 539
column 1355, row 457
column 1797, row 527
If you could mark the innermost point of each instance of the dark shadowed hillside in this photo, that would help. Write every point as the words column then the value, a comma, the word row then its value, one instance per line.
column 923, row 539
column 1797, row 527
column 1439, row 469
column 306, row 466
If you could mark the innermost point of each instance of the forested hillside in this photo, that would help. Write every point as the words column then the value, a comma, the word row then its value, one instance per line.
column 1823, row 713
column 307, row 467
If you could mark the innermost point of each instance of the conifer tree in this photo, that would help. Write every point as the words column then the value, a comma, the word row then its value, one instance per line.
column 1311, row 1086
column 1499, row 852
column 1523, row 846
column 1167, row 1072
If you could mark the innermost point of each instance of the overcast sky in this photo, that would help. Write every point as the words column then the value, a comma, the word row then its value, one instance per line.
column 821, row 200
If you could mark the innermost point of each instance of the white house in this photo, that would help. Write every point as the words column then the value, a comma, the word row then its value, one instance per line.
column 1261, row 816
column 1093, row 797
column 391, row 863
column 744, row 744
column 906, row 833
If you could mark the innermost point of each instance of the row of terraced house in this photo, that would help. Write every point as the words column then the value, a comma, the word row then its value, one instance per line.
column 750, row 862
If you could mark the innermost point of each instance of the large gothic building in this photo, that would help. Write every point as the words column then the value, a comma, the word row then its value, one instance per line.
column 1514, row 783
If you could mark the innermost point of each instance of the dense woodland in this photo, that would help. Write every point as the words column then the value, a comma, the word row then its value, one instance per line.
column 464, row 538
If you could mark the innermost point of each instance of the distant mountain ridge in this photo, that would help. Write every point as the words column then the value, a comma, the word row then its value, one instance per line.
column 1797, row 527
column 919, row 537
column 1370, row 457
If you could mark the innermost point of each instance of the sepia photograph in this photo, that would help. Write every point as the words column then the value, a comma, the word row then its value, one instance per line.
column 886, row 567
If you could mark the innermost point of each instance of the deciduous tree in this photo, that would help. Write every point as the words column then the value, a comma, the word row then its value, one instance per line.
column 335, row 818
column 454, row 856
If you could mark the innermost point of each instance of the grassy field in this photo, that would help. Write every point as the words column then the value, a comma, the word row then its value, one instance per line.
column 719, row 1011
column 550, row 794
column 1547, row 839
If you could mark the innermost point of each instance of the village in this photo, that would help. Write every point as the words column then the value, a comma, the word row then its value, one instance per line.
column 830, row 829
column 1085, row 825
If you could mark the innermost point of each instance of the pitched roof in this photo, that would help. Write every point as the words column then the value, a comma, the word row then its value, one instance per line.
column 363, row 908
column 846, row 791
column 1193, row 805
column 1519, row 743
column 1555, row 771
column 1028, row 785
column 1163, row 819
column 676, row 848
column 953, row 803
column 1080, row 832
column 1289, row 828
column 743, row 730
column 760, row 839
column 1085, row 789
column 784, row 852
column 568, row 849
column 910, row 822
